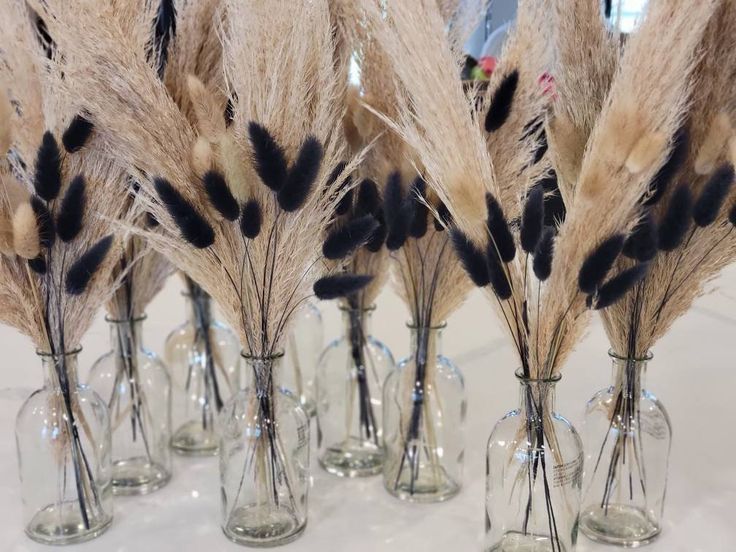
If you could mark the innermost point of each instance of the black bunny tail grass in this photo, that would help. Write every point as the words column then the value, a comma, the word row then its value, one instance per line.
column 543, row 254
column 220, row 196
column 71, row 212
column 532, row 219
column 502, row 102
column 193, row 226
column 554, row 206
column 666, row 173
column 393, row 198
column 46, row 227
column 164, row 30
column 499, row 230
column 419, row 222
column 38, row 265
column 497, row 275
column 378, row 239
column 398, row 212
column 714, row 193
column 302, row 175
column 343, row 206
column 76, row 134
column 443, row 219
column 599, row 262
column 340, row 285
column 368, row 201
column 732, row 215
column 268, row 156
column 472, row 258
column 81, row 272
column 615, row 288
column 642, row 243
column 47, row 178
column 676, row 220
column 251, row 219
column 347, row 238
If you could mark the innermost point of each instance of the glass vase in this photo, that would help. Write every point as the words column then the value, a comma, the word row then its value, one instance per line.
column 350, row 377
column 136, row 386
column 203, row 356
column 534, row 470
column 63, row 437
column 264, row 459
column 423, row 422
column 627, row 436
column 303, row 347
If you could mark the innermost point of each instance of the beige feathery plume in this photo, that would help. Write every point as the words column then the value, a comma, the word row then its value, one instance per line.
column 676, row 278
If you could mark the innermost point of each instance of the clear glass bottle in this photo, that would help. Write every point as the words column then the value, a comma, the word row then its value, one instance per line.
column 63, row 437
column 424, row 410
column 303, row 347
column 534, row 468
column 203, row 356
column 264, row 459
column 137, row 388
column 350, row 377
column 627, row 436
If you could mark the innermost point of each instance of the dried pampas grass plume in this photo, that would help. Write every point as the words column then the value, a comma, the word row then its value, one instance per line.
column 718, row 134
column 26, row 241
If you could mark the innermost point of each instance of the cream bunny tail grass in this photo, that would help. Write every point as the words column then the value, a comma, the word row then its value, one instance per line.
column 688, row 215
column 254, row 246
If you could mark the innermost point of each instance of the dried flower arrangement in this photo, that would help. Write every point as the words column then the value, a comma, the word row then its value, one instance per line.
column 243, row 208
column 58, row 252
column 571, row 263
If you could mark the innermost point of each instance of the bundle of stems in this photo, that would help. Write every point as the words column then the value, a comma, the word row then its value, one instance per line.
column 243, row 208
column 58, row 252
column 543, row 294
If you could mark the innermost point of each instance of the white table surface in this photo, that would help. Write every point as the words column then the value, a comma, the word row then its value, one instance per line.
column 693, row 373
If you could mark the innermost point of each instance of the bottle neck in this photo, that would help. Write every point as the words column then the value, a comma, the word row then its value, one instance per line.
column 263, row 373
column 61, row 369
column 537, row 397
column 628, row 374
column 126, row 336
column 426, row 342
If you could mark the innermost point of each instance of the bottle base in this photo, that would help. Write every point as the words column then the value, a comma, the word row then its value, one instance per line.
column 344, row 462
column 425, row 489
column 138, row 476
column 619, row 524
column 252, row 526
column 191, row 439
column 519, row 542
column 63, row 524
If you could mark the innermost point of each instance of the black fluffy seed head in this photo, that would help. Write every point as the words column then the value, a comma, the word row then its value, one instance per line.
column 532, row 219
column 542, row 264
column 340, row 285
column 269, row 157
column 714, row 193
column 666, row 173
column 732, row 215
column 378, row 238
column 193, row 226
column 250, row 219
column 38, row 265
column 419, row 222
column 85, row 267
column 393, row 198
column 599, row 262
column 642, row 243
column 229, row 113
column 347, row 238
column 443, row 216
column 71, row 212
column 502, row 102
column 77, row 134
column 473, row 259
column 151, row 221
column 554, row 207
column 676, row 220
column 615, row 288
column 220, row 195
column 164, row 31
column 346, row 201
column 47, row 180
column 302, row 175
column 398, row 232
column 499, row 230
column 45, row 222
column 368, row 200
column 343, row 206
column 497, row 275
